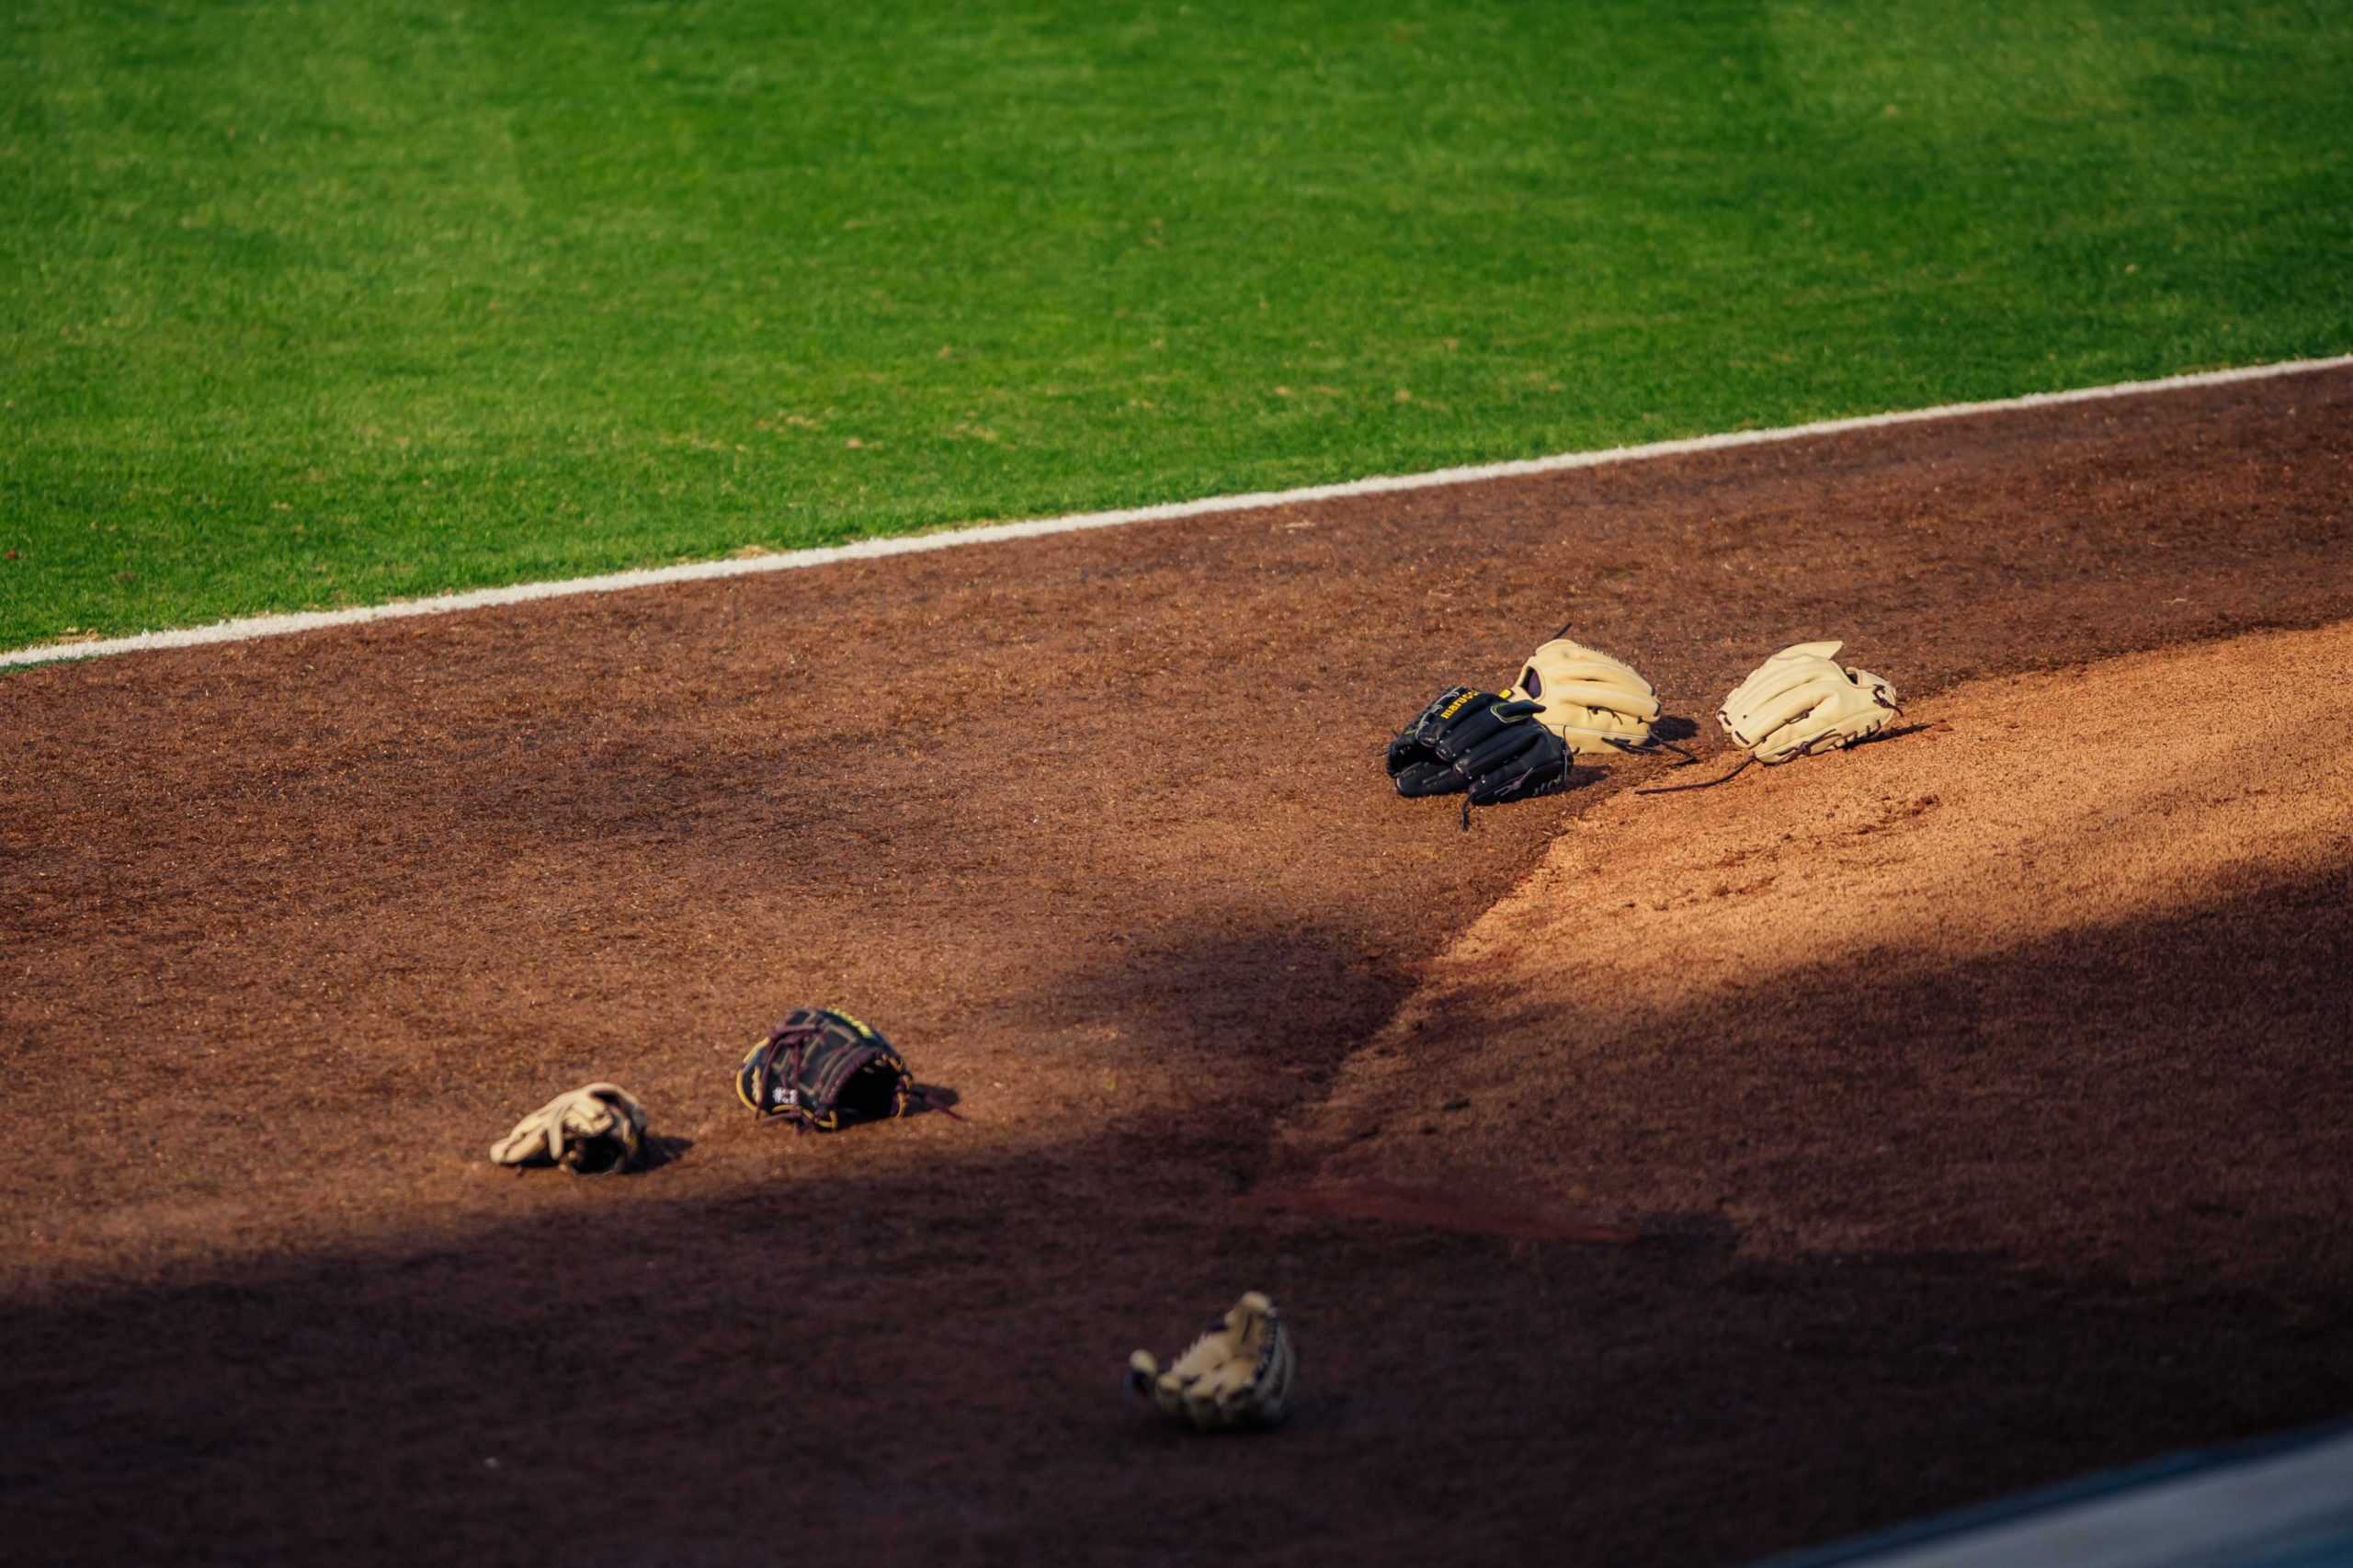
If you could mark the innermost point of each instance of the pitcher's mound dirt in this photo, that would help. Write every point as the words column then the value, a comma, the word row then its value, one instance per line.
column 2047, row 937
column 1095, row 828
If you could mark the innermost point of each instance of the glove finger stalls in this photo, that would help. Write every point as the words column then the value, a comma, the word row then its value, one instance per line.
column 1852, row 717
column 1601, row 733
column 1785, row 709
column 1430, row 778
column 519, row 1146
column 538, row 1133
column 1568, row 722
column 1416, row 738
column 1600, row 694
column 586, row 1114
column 1841, row 719
column 1562, row 660
column 1585, row 691
column 1798, row 662
column 1772, row 681
column 1790, row 742
column 1539, row 768
column 1455, row 720
column 1504, row 748
column 1472, row 732
column 1402, row 756
column 584, row 1119
column 1558, row 679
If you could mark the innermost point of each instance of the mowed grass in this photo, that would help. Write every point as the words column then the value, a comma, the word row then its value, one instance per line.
column 309, row 303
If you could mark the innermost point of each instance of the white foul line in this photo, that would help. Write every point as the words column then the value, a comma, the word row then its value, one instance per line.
column 909, row 544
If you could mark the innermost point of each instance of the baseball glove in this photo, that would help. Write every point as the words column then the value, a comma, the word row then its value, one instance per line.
column 823, row 1071
column 1800, row 701
column 1238, row 1373
column 1595, row 703
column 590, row 1131
column 1481, row 742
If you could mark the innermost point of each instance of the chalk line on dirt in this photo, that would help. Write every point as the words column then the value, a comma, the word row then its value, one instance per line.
column 247, row 628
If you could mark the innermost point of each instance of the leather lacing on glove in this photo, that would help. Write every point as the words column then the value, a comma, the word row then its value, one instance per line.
column 1702, row 784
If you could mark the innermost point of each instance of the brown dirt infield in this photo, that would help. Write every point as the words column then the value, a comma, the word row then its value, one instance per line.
column 2020, row 933
column 2038, row 1169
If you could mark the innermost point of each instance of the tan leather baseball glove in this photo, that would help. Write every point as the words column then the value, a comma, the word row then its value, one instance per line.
column 1595, row 703
column 590, row 1131
column 1802, row 700
column 1238, row 1373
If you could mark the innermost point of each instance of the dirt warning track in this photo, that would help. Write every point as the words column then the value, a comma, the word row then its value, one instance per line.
column 1094, row 827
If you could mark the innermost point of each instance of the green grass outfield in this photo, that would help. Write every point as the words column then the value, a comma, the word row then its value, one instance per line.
column 318, row 302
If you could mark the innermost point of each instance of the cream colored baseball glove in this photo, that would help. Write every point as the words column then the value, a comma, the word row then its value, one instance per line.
column 1595, row 703
column 595, row 1128
column 1801, row 702
column 1237, row 1374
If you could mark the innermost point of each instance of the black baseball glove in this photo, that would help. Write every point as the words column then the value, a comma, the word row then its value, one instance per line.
column 1481, row 742
column 823, row 1071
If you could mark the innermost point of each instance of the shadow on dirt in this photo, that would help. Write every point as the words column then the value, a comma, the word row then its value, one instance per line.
column 617, row 1364
column 1674, row 727
column 662, row 1149
column 2168, row 1097
column 2155, row 1111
